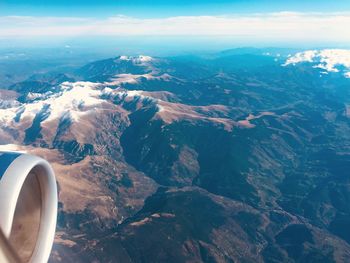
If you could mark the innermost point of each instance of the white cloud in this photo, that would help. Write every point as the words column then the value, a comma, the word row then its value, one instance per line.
column 265, row 26
column 329, row 60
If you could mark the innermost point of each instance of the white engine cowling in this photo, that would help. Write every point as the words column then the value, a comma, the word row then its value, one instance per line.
column 28, row 208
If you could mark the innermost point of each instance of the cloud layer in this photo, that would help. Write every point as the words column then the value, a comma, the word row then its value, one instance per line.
column 267, row 26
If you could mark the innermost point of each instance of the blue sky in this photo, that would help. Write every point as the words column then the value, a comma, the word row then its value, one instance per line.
column 247, row 22
column 161, row 8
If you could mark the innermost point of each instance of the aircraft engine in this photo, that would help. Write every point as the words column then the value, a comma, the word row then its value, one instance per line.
column 28, row 208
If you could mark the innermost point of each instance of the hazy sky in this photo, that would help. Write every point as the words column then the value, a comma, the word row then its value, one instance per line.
column 241, row 21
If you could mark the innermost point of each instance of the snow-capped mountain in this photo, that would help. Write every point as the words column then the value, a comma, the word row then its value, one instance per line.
column 103, row 70
column 70, row 97
column 39, row 114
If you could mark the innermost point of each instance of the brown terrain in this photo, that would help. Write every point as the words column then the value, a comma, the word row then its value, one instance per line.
column 194, row 165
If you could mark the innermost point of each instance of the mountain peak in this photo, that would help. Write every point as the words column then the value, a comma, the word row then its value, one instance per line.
column 136, row 59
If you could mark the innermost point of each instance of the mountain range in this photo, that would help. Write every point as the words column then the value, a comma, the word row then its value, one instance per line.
column 239, row 156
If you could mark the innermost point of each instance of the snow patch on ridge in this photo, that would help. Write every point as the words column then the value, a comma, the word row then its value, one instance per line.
column 138, row 59
column 134, row 79
column 74, row 98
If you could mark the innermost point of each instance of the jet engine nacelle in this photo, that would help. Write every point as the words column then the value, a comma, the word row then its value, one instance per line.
column 28, row 208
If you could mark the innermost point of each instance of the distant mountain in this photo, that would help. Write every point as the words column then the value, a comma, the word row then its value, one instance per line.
column 103, row 70
column 235, row 158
